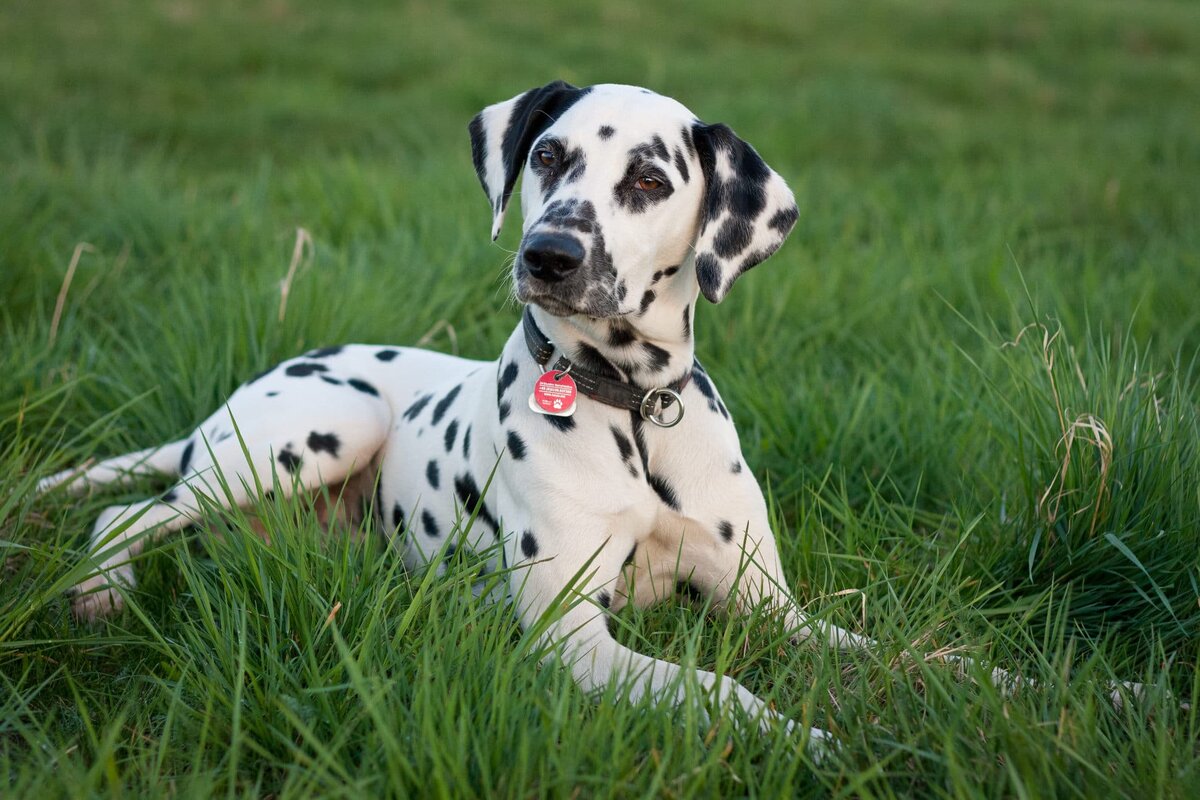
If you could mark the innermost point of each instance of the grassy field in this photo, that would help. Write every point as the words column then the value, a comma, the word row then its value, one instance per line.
column 969, row 381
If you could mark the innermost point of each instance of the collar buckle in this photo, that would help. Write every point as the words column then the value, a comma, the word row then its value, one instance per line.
column 666, row 397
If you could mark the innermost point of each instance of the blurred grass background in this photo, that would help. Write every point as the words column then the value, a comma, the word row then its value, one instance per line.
column 965, row 170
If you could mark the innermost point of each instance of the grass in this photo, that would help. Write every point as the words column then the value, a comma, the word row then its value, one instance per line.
column 969, row 382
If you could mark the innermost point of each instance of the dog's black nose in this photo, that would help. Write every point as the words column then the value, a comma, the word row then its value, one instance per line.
column 550, row 256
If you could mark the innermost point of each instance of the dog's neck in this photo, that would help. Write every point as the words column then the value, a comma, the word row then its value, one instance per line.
column 651, row 348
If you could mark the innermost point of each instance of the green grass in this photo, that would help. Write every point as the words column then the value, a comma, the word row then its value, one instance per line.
column 994, row 275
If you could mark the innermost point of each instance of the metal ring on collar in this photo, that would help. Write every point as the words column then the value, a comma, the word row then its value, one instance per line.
column 664, row 395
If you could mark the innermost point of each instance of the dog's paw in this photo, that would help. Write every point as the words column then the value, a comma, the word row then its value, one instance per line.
column 96, row 598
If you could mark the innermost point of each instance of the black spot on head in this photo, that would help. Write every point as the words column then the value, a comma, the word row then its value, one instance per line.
column 272, row 394
column 503, row 411
column 324, row 352
column 647, row 299
column 432, row 473
column 563, row 424
column 289, row 460
column 604, row 598
column 439, row 410
column 429, row 523
column 689, row 591
column 303, row 370
column 606, row 131
column 659, row 358
column 529, row 545
column 687, row 322
column 516, row 445
column 467, row 443
column 736, row 469
column 186, row 458
column 413, row 411
column 784, row 219
column 324, row 443
column 468, row 493
column 451, row 434
column 726, row 530
column 397, row 516
column 664, row 491
column 629, row 558
column 363, row 387
column 506, row 379
column 387, row 355
column 170, row 497
column 331, row 381
column 681, row 165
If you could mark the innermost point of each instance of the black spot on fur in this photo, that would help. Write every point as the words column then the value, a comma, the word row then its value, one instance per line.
column 620, row 333
column 516, row 445
column 324, row 443
column 429, row 524
column 467, row 443
column 591, row 359
column 432, row 473
column 736, row 469
column 304, row 370
column 639, row 439
column 681, row 165
column 734, row 237
column 272, row 394
column 629, row 558
column 563, row 424
column 664, row 491
column 387, row 355
column 439, row 410
column 604, row 598
column 324, row 352
column 363, row 387
column 659, row 358
column 170, row 497
column 606, row 131
column 331, row 381
column 647, row 299
column 186, row 458
column 784, row 219
column 506, row 379
column 451, row 434
column 622, row 290
column 503, row 411
column 623, row 445
column 726, row 530
column 289, row 460
column 689, row 591
column 397, row 516
column 413, row 411
column 468, row 493
column 687, row 322
column 706, row 388
column 529, row 546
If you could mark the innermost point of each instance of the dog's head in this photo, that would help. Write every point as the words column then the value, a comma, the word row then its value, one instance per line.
column 622, row 186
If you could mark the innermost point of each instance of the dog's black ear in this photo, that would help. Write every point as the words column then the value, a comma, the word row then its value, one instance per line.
column 502, row 134
column 748, row 209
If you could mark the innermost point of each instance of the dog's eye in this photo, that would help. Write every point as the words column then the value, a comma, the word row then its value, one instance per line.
column 648, row 184
column 546, row 157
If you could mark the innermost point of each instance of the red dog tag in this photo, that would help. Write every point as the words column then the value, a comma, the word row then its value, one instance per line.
column 554, row 394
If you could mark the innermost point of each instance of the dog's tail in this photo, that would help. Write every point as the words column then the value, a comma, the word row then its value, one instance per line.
column 165, row 460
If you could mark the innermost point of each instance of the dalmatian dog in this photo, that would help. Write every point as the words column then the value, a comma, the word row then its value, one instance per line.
column 615, row 470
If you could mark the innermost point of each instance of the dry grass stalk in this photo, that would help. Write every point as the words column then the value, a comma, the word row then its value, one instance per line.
column 303, row 241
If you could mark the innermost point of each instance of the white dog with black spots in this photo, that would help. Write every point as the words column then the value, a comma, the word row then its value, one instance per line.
column 633, row 208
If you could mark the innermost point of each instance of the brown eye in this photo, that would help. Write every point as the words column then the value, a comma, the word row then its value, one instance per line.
column 648, row 184
column 546, row 157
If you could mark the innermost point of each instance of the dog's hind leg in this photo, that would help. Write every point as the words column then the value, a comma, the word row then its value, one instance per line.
column 225, row 477
column 164, row 460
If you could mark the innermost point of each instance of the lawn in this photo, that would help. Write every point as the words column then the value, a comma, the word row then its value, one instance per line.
column 969, row 381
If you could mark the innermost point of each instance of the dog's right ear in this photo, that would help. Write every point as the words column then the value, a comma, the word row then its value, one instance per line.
column 502, row 134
